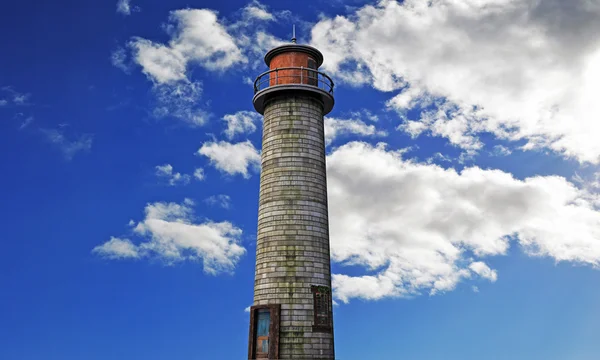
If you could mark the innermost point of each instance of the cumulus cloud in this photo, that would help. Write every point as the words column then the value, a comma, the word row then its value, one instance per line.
column 173, row 178
column 159, row 62
column 232, row 158
column 69, row 147
column 242, row 122
column 171, row 233
column 418, row 228
column 338, row 127
column 482, row 269
column 197, row 37
column 117, row 248
column 521, row 70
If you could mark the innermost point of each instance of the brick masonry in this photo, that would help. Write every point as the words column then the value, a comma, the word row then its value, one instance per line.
column 292, row 250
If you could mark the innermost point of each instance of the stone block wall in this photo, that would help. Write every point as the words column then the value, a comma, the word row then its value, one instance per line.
column 293, row 233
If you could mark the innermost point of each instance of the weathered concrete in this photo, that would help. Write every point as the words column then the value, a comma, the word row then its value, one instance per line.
column 292, row 250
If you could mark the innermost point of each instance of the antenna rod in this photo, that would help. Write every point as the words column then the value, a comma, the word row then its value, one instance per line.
column 294, row 33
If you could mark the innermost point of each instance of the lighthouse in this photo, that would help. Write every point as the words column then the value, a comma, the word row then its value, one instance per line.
column 291, row 316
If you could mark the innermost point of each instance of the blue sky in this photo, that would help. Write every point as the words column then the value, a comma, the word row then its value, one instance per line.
column 463, row 176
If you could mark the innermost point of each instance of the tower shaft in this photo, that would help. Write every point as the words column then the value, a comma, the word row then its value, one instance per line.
column 292, row 254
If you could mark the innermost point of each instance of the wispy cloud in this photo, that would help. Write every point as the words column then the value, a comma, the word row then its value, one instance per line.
column 9, row 96
column 25, row 123
column 119, row 60
column 124, row 7
column 338, row 127
column 69, row 147
column 173, row 178
column 199, row 174
column 257, row 10
column 180, row 100
column 220, row 200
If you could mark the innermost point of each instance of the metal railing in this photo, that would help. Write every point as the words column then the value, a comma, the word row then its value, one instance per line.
column 292, row 76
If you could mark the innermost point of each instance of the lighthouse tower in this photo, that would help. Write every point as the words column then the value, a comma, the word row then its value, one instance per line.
column 291, row 317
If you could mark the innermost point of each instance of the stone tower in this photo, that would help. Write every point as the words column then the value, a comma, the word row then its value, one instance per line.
column 291, row 317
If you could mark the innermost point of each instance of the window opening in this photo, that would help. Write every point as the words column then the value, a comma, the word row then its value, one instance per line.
column 312, row 75
column 263, row 323
column 263, row 341
column 322, row 308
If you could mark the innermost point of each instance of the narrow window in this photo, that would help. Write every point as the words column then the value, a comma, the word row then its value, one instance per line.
column 312, row 75
column 322, row 308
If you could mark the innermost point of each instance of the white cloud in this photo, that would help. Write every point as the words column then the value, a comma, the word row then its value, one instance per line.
column 256, row 44
column 221, row 200
column 17, row 98
column 501, row 150
column 475, row 289
column 117, row 248
column 199, row 174
column 366, row 114
column 180, row 100
column 420, row 228
column 173, row 178
column 118, row 58
column 449, row 121
column 69, row 147
column 159, row 62
column 242, row 122
column 232, row 158
column 124, row 7
column 520, row 69
column 440, row 158
column 338, row 127
column 247, row 309
column 169, row 232
column 20, row 99
column 26, row 122
column 256, row 10
column 482, row 269
column 196, row 37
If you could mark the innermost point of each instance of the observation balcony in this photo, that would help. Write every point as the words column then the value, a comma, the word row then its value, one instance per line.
column 293, row 79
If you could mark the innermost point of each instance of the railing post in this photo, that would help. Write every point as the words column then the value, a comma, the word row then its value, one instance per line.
column 301, row 72
column 277, row 76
